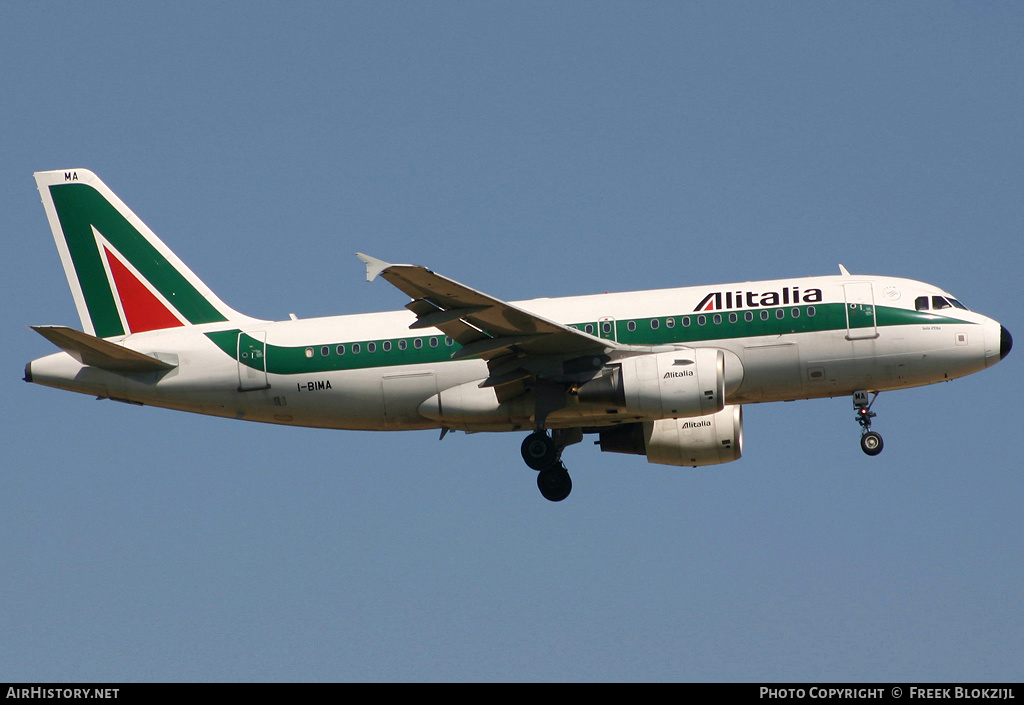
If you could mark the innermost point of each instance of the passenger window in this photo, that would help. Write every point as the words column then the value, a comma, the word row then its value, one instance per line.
column 325, row 351
column 371, row 347
column 795, row 313
column 780, row 314
column 748, row 316
column 702, row 320
column 355, row 348
column 417, row 343
column 670, row 322
column 811, row 311
column 921, row 303
column 939, row 303
column 631, row 326
column 717, row 318
column 402, row 344
column 654, row 324
column 733, row 318
column 764, row 315
column 686, row 321
column 340, row 349
column 309, row 352
column 386, row 345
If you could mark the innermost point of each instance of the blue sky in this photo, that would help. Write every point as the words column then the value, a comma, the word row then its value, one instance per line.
column 525, row 149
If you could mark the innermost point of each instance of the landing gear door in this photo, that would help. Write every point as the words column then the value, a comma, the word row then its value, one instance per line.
column 252, row 361
column 861, row 322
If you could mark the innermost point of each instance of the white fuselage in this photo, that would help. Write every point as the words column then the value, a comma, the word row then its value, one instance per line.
column 795, row 339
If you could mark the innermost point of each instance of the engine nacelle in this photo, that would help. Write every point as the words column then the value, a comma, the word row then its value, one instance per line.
column 681, row 383
column 704, row 440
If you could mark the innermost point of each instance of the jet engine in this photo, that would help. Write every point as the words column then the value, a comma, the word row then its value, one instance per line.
column 702, row 440
column 681, row 383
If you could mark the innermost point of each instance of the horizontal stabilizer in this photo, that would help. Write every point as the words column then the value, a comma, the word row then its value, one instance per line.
column 96, row 352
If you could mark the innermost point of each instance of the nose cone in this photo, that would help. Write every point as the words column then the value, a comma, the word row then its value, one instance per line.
column 1005, row 342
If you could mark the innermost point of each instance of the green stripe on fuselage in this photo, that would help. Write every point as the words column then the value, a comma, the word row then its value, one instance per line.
column 295, row 360
column 827, row 317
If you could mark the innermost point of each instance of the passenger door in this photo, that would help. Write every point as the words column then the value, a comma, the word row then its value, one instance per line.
column 861, row 322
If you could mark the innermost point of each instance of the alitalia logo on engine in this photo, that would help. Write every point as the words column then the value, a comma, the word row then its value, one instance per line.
column 752, row 299
column 695, row 424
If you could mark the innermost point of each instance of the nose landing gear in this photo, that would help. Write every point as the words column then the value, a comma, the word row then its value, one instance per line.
column 870, row 441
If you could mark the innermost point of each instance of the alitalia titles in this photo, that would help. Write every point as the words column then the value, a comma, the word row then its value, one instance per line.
column 752, row 299
column 695, row 424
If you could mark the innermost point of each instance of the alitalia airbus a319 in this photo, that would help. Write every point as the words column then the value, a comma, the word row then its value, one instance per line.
column 660, row 373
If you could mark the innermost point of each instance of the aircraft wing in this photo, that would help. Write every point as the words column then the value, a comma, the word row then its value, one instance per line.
column 485, row 327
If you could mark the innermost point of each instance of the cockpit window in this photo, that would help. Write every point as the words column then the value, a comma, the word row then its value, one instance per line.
column 937, row 303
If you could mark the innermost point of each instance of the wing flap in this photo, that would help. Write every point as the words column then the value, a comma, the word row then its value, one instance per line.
column 439, row 316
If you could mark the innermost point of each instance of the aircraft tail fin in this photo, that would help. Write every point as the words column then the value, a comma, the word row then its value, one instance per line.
column 124, row 279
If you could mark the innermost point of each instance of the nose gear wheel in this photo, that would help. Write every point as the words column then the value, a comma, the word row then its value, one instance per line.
column 870, row 441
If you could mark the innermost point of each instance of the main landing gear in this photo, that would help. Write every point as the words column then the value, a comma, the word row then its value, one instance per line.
column 870, row 441
column 543, row 453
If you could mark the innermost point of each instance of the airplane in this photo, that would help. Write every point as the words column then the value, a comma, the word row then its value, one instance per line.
column 661, row 373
